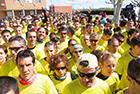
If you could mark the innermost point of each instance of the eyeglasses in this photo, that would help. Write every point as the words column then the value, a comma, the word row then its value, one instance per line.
column 91, row 40
column 15, row 48
column 138, row 82
column 78, row 51
column 60, row 68
column 89, row 75
column 63, row 33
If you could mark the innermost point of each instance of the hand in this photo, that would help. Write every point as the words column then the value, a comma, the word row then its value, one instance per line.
column 89, row 10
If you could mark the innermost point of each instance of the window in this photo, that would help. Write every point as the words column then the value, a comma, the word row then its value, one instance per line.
column 16, row 0
column 38, row 1
column 28, row 1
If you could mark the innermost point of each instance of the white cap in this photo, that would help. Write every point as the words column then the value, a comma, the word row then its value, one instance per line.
column 92, row 61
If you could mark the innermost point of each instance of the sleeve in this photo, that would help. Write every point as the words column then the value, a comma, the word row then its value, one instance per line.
column 50, row 88
column 39, row 68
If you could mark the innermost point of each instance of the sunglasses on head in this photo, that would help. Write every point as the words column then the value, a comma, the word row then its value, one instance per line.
column 91, row 40
column 78, row 51
column 89, row 75
column 60, row 68
column 14, row 48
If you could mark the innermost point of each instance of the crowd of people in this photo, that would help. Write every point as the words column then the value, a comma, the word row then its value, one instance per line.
column 60, row 53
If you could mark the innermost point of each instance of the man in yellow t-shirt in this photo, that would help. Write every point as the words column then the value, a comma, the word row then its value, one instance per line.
column 71, row 34
column 87, row 66
column 28, row 80
column 31, row 39
column 133, row 77
column 123, row 61
column 94, row 40
column 77, row 28
column 113, row 45
column 104, row 39
column 63, row 37
column 16, row 44
column 49, row 49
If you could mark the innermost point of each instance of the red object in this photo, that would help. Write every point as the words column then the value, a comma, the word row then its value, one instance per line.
column 104, row 15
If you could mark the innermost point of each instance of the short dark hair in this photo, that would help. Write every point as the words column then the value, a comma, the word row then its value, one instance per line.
column 117, row 29
column 24, row 54
column 8, row 83
column 132, row 31
column 6, row 31
column 107, row 32
column 49, row 43
column 28, row 32
column 123, row 23
column 55, row 39
column 71, row 30
column 62, row 29
column 135, row 41
column 112, row 39
column 56, row 59
column 133, row 69
column 89, row 24
column 70, row 41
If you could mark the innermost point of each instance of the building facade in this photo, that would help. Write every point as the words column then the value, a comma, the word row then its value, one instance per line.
column 13, row 8
column 62, row 9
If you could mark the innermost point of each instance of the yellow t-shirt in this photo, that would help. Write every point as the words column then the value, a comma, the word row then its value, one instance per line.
column 125, row 47
column 113, row 82
column 73, row 67
column 78, row 32
column 124, row 82
column 103, row 43
column 75, row 87
column 39, row 53
column 45, row 65
column 42, row 85
column 123, row 62
column 88, row 50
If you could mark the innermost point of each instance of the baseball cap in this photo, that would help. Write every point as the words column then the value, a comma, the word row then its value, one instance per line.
column 90, row 58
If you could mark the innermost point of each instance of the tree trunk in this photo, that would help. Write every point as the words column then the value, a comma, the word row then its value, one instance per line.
column 118, row 11
column 115, row 6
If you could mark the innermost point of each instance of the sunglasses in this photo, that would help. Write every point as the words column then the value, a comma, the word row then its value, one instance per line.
column 91, row 40
column 60, row 68
column 63, row 33
column 89, row 75
column 15, row 48
column 78, row 51
column 120, row 41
